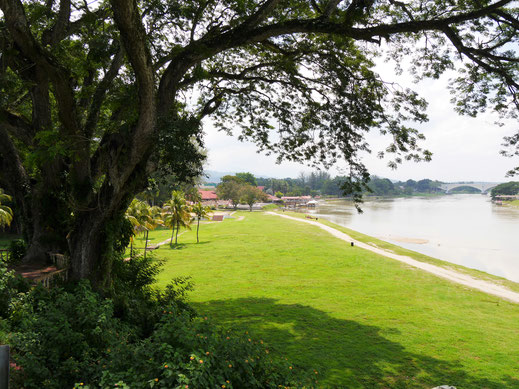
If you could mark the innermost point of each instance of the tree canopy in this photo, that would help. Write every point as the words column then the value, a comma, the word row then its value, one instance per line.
column 507, row 189
column 97, row 96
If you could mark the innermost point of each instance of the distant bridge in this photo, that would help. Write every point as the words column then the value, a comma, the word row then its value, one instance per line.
column 484, row 187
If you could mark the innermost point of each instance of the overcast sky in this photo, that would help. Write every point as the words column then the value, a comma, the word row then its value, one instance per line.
column 464, row 148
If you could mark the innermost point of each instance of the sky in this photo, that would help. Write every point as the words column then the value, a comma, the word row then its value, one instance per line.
column 464, row 148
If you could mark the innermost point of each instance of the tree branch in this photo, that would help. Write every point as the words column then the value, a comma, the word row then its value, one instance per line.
column 17, row 127
column 18, row 27
column 133, row 36
column 330, row 7
column 100, row 92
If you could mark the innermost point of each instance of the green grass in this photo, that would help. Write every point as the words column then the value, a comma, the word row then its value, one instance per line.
column 514, row 203
column 361, row 320
column 413, row 254
column 5, row 239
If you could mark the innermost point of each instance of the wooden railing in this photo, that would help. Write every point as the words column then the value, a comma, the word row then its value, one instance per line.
column 48, row 276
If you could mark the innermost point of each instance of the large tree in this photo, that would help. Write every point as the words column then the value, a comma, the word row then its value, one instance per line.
column 96, row 96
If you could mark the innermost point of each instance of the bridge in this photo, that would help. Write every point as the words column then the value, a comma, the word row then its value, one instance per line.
column 484, row 187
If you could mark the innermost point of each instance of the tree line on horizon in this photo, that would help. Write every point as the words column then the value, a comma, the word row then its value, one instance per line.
column 322, row 183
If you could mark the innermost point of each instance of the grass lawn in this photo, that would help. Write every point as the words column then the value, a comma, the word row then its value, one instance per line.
column 413, row 254
column 5, row 239
column 361, row 320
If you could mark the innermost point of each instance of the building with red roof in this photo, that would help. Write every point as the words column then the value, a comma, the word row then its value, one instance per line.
column 208, row 195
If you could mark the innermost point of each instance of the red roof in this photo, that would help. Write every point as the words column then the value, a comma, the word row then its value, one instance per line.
column 207, row 194
column 261, row 187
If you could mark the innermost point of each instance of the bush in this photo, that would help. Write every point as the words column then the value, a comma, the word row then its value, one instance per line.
column 183, row 351
column 17, row 250
column 13, row 290
column 64, row 335
column 133, row 335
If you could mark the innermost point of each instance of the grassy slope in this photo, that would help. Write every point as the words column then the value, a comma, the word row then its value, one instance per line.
column 361, row 320
column 413, row 254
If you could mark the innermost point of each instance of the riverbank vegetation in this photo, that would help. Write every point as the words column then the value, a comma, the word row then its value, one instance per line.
column 506, row 189
column 322, row 183
column 359, row 319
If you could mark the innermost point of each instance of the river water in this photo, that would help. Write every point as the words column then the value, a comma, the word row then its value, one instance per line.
column 468, row 230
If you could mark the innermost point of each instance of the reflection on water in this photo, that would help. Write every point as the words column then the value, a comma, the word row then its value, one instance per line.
column 465, row 229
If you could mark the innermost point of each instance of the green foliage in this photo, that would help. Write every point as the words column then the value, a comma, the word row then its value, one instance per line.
column 230, row 189
column 65, row 334
column 136, row 336
column 250, row 195
column 135, row 299
column 508, row 188
column 465, row 189
column 185, row 352
column 6, row 213
column 17, row 250
column 176, row 213
column 248, row 178
column 12, row 293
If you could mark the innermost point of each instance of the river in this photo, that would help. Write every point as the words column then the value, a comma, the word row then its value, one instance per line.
column 468, row 230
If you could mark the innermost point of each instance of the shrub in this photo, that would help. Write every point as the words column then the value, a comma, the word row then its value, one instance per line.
column 192, row 353
column 132, row 335
column 13, row 290
column 17, row 250
column 65, row 334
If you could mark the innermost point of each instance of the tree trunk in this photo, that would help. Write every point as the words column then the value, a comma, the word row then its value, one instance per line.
column 146, row 244
column 176, row 235
column 172, row 233
column 197, row 227
column 86, row 248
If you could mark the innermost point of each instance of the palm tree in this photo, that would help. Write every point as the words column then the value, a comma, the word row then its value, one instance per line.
column 6, row 213
column 176, row 213
column 143, row 218
column 153, row 221
column 200, row 211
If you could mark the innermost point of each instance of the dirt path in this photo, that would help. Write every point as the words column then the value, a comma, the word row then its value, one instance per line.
column 451, row 275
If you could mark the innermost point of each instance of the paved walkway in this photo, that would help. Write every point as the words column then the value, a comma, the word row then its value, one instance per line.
column 451, row 275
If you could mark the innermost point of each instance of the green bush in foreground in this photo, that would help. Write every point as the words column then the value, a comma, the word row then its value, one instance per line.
column 73, row 335
column 17, row 250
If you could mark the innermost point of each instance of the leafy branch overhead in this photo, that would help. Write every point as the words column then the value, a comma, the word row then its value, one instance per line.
column 97, row 96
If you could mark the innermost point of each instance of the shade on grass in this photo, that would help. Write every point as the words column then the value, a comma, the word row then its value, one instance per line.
column 361, row 320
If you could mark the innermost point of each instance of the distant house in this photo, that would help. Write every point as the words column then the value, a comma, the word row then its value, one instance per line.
column 296, row 201
column 273, row 199
column 209, row 197
column 262, row 188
